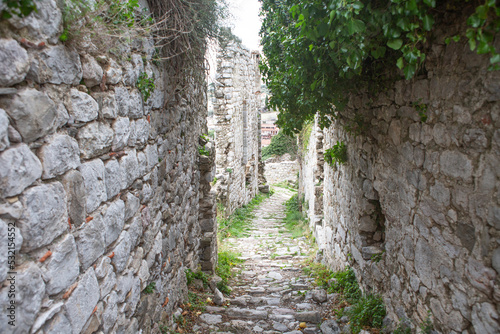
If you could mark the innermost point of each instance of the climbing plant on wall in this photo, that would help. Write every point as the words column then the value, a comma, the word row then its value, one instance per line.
column 318, row 51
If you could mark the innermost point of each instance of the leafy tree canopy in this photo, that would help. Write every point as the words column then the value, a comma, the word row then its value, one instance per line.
column 317, row 51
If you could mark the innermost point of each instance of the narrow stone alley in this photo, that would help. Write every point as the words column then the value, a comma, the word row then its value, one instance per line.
column 270, row 294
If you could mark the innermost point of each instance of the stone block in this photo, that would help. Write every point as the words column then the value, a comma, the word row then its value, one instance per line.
column 113, row 72
column 90, row 242
column 45, row 216
column 33, row 113
column 136, row 107
column 367, row 224
column 115, row 178
column 62, row 116
column 152, row 156
column 14, row 62
column 142, row 128
column 95, row 139
column 107, row 104
column 123, row 286
column 121, row 127
column 135, row 231
column 130, row 167
column 122, row 252
column 4, row 130
column 456, row 164
column 82, row 301
column 92, row 71
column 62, row 267
column 46, row 316
column 82, row 106
column 122, row 96
column 131, row 206
column 59, row 155
column 110, row 312
column 114, row 221
column 440, row 193
column 424, row 256
column 95, row 183
column 43, row 24
column 58, row 324
column 30, row 290
column 142, row 162
column 75, row 191
column 19, row 168
column 56, row 65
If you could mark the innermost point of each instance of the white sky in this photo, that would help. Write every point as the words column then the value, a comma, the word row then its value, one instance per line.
column 246, row 21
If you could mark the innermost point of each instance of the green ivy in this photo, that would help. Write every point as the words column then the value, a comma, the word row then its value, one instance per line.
column 146, row 85
column 317, row 52
column 336, row 154
column 21, row 8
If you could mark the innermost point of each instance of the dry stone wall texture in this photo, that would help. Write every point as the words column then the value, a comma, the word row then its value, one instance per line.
column 101, row 193
column 237, row 111
column 278, row 172
column 415, row 210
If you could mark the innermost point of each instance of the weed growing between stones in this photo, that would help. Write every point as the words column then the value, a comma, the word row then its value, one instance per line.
column 237, row 224
column 287, row 185
column 191, row 276
column 295, row 221
column 146, row 85
column 226, row 261
column 363, row 310
column 336, row 154
column 150, row 288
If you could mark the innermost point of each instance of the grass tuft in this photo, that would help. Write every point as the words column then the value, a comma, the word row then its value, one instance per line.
column 227, row 260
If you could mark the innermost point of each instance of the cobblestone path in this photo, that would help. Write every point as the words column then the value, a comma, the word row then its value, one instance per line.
column 271, row 294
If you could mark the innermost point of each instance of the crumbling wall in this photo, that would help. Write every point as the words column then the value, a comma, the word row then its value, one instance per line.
column 284, row 171
column 237, row 111
column 415, row 209
column 101, row 192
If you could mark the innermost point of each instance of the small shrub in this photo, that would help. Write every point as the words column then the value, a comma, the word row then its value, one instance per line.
column 426, row 327
column 146, row 85
column 191, row 276
column 196, row 302
column 150, row 288
column 226, row 261
column 369, row 311
column 345, row 282
column 336, row 154
column 203, row 151
column 280, row 144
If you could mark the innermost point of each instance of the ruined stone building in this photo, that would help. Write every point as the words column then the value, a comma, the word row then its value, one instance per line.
column 103, row 191
column 415, row 209
column 237, row 111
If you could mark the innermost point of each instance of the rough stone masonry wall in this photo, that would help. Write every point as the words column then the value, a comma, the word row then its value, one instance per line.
column 425, row 195
column 100, row 193
column 284, row 171
column 237, row 111
column 311, row 183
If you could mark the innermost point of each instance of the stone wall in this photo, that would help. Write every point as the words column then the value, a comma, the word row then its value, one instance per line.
column 311, row 162
column 277, row 172
column 237, row 111
column 422, row 194
column 101, row 194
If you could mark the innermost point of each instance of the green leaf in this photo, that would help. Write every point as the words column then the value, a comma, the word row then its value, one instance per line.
column 495, row 59
column 482, row 12
column 483, row 47
column 400, row 63
column 428, row 22
column 430, row 3
column 456, row 38
column 447, row 40
column 474, row 21
column 355, row 26
column 410, row 71
column 395, row 43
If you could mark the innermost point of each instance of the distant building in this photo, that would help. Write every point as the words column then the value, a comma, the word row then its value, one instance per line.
column 267, row 131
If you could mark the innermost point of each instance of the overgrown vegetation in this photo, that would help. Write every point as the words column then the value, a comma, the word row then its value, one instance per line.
column 366, row 310
column 237, row 224
column 191, row 276
column 295, row 221
column 226, row 261
column 21, row 8
column 336, row 154
column 317, row 53
column 280, row 144
column 146, row 85
column 150, row 288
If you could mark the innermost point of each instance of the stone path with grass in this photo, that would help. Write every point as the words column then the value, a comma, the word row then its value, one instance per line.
column 270, row 294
